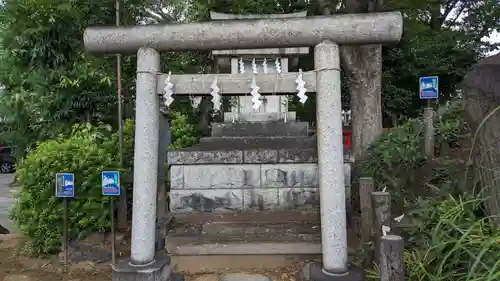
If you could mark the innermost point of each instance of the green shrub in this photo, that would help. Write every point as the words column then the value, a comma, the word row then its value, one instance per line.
column 394, row 156
column 450, row 237
column 396, row 159
column 128, row 145
column 184, row 134
column 87, row 152
column 452, row 126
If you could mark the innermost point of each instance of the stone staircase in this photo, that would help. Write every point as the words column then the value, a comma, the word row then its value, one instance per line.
column 249, row 190
column 200, row 243
column 249, row 240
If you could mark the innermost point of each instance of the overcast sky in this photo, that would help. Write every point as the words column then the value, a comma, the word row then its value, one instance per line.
column 494, row 38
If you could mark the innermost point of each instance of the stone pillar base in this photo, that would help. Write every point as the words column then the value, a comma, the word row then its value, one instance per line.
column 160, row 270
column 313, row 271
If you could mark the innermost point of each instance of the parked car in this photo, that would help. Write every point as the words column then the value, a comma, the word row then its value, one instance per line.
column 7, row 163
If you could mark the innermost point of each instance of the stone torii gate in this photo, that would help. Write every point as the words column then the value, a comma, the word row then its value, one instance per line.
column 324, row 33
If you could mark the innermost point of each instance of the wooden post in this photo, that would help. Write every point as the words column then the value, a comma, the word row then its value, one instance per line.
column 429, row 130
column 392, row 258
column 366, row 187
column 381, row 202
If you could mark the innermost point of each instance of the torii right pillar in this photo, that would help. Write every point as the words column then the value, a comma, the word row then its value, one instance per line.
column 334, row 266
column 330, row 159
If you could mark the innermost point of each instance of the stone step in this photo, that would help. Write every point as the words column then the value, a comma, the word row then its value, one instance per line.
column 283, row 142
column 259, row 129
column 259, row 116
column 246, row 240
column 202, row 155
column 198, row 264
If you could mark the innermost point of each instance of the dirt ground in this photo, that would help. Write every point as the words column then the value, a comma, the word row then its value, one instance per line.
column 16, row 267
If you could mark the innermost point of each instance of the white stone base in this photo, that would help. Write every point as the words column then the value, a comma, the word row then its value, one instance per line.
column 258, row 116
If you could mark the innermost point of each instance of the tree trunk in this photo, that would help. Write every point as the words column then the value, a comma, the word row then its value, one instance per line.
column 486, row 154
column 482, row 107
column 363, row 66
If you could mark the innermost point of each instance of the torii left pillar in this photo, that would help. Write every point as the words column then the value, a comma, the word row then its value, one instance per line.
column 145, row 263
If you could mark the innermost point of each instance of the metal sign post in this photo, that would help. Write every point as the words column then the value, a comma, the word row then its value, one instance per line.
column 65, row 188
column 429, row 90
column 110, row 185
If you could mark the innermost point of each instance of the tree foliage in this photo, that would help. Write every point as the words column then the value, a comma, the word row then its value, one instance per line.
column 443, row 38
column 46, row 76
column 49, row 83
column 396, row 159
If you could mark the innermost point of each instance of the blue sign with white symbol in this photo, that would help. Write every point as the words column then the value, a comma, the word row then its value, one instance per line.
column 429, row 87
column 110, row 183
column 65, row 185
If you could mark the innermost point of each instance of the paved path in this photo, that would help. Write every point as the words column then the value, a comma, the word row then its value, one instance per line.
column 6, row 200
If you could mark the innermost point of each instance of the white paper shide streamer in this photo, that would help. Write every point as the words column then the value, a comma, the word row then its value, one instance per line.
column 241, row 65
column 195, row 101
column 277, row 64
column 399, row 218
column 216, row 98
column 254, row 67
column 300, row 88
column 264, row 66
column 255, row 89
column 385, row 230
column 255, row 94
column 168, row 91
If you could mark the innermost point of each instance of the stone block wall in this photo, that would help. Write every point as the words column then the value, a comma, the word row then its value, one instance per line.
column 247, row 187
column 248, row 166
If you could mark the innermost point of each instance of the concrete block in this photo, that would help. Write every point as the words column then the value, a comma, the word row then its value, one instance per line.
column 303, row 155
column 289, row 175
column 238, row 155
column 221, row 176
column 258, row 116
column 259, row 156
column 206, row 201
column 313, row 271
column 159, row 270
column 226, row 188
column 295, row 197
column 259, row 129
column 235, row 143
column 245, row 277
column 190, row 156
column 260, row 198
column 177, row 177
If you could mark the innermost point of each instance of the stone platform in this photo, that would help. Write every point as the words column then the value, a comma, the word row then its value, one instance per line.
column 283, row 142
column 237, row 187
column 247, row 166
column 259, row 129
column 246, row 197
column 258, row 116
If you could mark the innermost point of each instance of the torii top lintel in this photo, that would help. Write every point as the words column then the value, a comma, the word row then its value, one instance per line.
column 376, row 28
